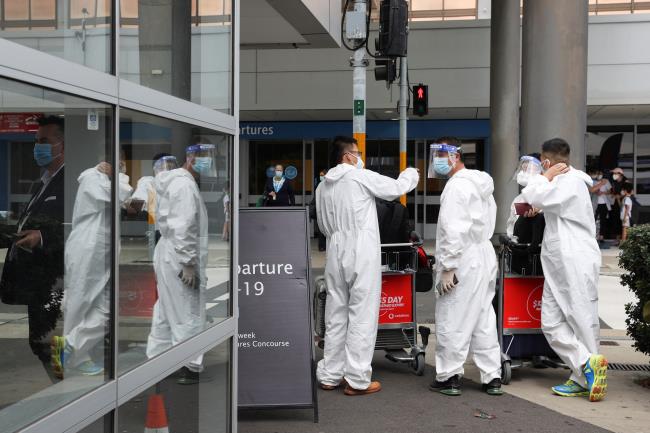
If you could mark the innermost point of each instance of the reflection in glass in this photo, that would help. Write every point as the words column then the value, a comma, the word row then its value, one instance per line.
column 191, row 61
column 76, row 31
column 53, row 316
column 179, row 404
column 174, row 257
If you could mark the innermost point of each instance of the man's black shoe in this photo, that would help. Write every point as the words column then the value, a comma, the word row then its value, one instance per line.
column 494, row 387
column 450, row 386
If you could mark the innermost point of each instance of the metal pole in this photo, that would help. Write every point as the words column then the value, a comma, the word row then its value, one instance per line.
column 359, row 64
column 504, row 104
column 403, row 116
column 554, row 75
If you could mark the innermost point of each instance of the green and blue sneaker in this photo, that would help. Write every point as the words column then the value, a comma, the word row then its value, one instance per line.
column 595, row 372
column 89, row 368
column 570, row 389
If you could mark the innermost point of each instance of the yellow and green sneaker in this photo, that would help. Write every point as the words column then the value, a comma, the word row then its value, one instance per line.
column 570, row 389
column 57, row 346
column 595, row 372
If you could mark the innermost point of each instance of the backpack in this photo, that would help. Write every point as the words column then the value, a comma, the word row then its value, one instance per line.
column 634, row 212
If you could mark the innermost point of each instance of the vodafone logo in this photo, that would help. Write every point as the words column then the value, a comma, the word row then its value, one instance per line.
column 534, row 303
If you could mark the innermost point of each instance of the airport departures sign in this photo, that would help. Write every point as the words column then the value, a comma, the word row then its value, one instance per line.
column 275, row 340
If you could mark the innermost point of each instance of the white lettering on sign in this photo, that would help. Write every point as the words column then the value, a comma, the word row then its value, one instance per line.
column 256, row 130
column 265, row 269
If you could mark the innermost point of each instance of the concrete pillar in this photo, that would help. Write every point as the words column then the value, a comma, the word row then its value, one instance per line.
column 554, row 74
column 504, row 104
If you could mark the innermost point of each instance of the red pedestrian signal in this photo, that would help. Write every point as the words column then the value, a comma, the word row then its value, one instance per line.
column 421, row 103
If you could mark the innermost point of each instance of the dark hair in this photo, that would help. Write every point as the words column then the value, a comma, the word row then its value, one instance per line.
column 628, row 187
column 340, row 145
column 536, row 155
column 53, row 120
column 157, row 156
column 594, row 169
column 558, row 148
column 454, row 141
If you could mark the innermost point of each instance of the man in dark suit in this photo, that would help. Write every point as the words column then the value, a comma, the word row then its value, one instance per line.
column 33, row 270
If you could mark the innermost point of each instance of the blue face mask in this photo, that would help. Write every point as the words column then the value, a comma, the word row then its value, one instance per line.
column 202, row 165
column 43, row 154
column 441, row 166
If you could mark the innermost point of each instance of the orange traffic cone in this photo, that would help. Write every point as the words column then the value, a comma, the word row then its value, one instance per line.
column 156, row 416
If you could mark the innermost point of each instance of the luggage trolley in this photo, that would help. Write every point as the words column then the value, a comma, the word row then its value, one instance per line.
column 519, row 308
column 397, row 334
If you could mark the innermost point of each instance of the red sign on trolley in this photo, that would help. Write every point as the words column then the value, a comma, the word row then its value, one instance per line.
column 522, row 303
column 396, row 299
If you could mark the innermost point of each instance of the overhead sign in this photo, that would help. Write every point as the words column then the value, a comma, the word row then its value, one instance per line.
column 19, row 122
column 290, row 172
column 275, row 346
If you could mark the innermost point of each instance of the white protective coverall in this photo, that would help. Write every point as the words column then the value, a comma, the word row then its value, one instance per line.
column 465, row 317
column 179, row 312
column 347, row 215
column 571, row 263
column 145, row 191
column 88, row 264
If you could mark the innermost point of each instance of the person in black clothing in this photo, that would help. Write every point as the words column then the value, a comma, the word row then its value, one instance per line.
column 33, row 269
column 278, row 190
column 312, row 213
column 618, row 180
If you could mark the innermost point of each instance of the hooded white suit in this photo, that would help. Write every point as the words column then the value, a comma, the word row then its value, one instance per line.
column 571, row 261
column 347, row 215
column 465, row 317
column 179, row 312
column 88, row 264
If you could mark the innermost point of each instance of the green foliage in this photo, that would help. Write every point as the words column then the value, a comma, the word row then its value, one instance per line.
column 635, row 259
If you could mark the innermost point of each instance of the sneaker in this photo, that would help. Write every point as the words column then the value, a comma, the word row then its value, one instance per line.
column 570, row 389
column 493, row 387
column 595, row 372
column 188, row 377
column 57, row 348
column 450, row 386
column 89, row 368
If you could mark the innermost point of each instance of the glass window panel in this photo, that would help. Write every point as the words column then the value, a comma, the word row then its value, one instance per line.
column 211, row 7
column 104, row 8
column 175, row 223
column 129, row 8
column 264, row 155
column 77, row 36
column 418, row 5
column 16, row 9
column 57, row 279
column 102, row 425
column 643, row 164
column 190, row 62
column 43, row 9
column 205, row 406
column 460, row 4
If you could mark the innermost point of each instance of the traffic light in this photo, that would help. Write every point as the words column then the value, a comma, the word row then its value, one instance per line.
column 393, row 21
column 385, row 70
column 421, row 100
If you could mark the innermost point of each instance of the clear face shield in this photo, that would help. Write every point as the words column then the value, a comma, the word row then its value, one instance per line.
column 204, row 157
column 442, row 160
column 528, row 167
column 165, row 163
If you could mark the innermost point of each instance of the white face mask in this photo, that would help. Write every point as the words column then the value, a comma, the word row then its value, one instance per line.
column 278, row 173
column 322, row 178
column 360, row 164
column 522, row 178
column 599, row 177
column 616, row 176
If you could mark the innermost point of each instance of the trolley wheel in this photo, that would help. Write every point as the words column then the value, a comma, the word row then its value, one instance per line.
column 321, row 344
column 506, row 372
column 418, row 364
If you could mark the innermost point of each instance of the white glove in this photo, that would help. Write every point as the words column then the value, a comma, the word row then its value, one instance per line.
column 446, row 283
column 187, row 276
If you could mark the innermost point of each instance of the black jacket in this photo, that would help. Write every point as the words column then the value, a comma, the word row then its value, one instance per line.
column 284, row 197
column 28, row 278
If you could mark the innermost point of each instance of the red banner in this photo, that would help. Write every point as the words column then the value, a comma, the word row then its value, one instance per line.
column 19, row 122
column 522, row 302
column 396, row 299
column 138, row 292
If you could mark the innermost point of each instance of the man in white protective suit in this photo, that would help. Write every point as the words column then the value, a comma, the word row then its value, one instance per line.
column 571, row 262
column 180, row 257
column 347, row 215
column 466, row 273
column 88, row 261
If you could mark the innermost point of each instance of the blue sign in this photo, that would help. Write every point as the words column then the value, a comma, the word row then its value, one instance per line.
column 290, row 172
column 270, row 172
